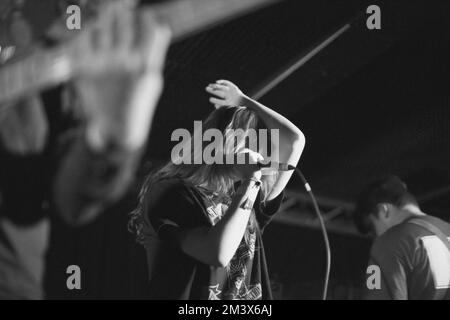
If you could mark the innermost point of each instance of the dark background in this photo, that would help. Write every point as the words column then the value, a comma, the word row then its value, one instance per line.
column 371, row 103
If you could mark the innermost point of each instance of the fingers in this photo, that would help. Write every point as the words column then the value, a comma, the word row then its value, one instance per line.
column 224, row 82
column 217, row 102
column 219, row 91
column 124, row 40
column 255, row 158
column 216, row 86
column 106, row 31
column 242, row 149
column 259, row 157
column 253, row 154
column 123, row 31
column 216, row 91
column 102, row 36
column 152, row 43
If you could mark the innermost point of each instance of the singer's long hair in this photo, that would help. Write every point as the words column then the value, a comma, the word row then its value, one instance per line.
column 217, row 179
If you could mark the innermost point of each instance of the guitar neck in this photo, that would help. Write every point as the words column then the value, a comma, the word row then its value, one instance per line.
column 48, row 67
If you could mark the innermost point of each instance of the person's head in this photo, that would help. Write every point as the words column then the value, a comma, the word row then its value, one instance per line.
column 237, row 127
column 218, row 178
column 381, row 205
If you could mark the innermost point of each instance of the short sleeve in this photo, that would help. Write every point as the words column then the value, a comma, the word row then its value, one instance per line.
column 171, row 207
column 266, row 210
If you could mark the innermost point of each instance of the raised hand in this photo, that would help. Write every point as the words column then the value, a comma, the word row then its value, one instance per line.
column 225, row 93
column 120, row 78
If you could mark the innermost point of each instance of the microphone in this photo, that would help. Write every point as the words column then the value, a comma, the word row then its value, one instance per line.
column 276, row 166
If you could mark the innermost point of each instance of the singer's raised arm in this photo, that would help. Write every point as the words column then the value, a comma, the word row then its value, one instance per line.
column 291, row 139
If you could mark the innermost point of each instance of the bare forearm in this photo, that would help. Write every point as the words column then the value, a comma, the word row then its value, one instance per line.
column 226, row 93
column 217, row 245
column 230, row 230
column 274, row 120
column 287, row 149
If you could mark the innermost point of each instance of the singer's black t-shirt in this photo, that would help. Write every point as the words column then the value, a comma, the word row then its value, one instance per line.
column 173, row 205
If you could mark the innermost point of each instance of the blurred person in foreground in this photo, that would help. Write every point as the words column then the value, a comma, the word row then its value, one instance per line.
column 95, row 162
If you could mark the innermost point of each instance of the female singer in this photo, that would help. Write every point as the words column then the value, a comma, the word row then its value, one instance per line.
column 201, row 224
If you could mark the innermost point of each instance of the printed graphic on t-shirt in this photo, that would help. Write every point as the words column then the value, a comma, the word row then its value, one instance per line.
column 439, row 260
column 238, row 269
column 214, row 214
column 214, row 292
column 237, row 286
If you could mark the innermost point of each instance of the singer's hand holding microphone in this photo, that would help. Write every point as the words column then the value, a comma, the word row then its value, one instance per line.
column 255, row 165
column 251, row 169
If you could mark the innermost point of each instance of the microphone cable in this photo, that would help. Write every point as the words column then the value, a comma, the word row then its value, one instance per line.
column 323, row 229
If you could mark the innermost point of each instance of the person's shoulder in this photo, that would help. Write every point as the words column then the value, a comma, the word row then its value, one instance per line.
column 396, row 238
column 412, row 231
column 406, row 234
column 170, row 193
column 444, row 226
column 169, row 185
